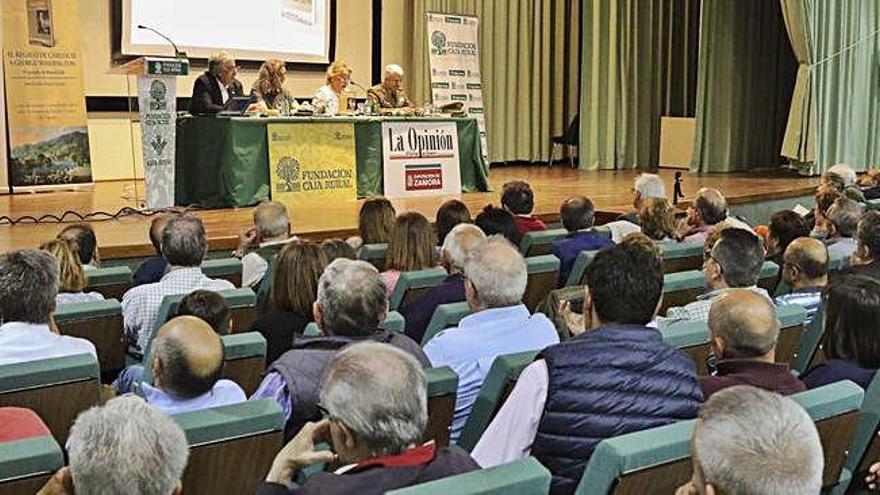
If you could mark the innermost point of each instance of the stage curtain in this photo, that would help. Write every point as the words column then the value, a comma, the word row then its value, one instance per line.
column 799, row 142
column 530, row 65
column 745, row 80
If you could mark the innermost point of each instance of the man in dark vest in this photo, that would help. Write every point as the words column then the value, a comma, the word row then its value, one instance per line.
column 615, row 376
column 351, row 307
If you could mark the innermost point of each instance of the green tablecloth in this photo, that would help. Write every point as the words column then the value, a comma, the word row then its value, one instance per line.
column 224, row 161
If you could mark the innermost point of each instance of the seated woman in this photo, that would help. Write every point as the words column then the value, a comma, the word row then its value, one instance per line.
column 493, row 220
column 450, row 214
column 375, row 220
column 657, row 219
column 411, row 248
column 337, row 248
column 326, row 99
column 293, row 292
column 269, row 92
column 72, row 278
column 850, row 341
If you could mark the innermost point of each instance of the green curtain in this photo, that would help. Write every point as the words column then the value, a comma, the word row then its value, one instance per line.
column 799, row 142
column 529, row 60
column 746, row 76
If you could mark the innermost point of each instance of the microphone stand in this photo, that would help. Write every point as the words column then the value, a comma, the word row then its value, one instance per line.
column 676, row 189
column 177, row 52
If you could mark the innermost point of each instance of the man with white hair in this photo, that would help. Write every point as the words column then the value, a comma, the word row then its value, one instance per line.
column 124, row 447
column 645, row 186
column 389, row 94
column 271, row 231
column 374, row 401
column 501, row 324
column 216, row 86
column 748, row 440
column 458, row 246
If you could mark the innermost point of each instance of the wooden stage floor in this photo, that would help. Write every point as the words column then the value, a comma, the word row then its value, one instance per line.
column 609, row 190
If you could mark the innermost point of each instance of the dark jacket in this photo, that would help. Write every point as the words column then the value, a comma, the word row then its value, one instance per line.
column 303, row 367
column 206, row 96
column 150, row 271
column 613, row 380
column 837, row 370
column 375, row 477
column 872, row 270
column 568, row 248
column 417, row 313
column 279, row 328
column 775, row 377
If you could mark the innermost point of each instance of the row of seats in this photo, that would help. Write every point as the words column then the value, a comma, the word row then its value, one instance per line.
column 112, row 282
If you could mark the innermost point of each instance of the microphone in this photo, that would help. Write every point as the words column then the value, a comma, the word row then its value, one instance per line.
column 676, row 189
column 177, row 52
column 357, row 85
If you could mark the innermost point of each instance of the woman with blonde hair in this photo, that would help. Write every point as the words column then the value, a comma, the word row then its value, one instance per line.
column 72, row 278
column 327, row 96
column 657, row 219
column 411, row 247
column 269, row 92
column 375, row 220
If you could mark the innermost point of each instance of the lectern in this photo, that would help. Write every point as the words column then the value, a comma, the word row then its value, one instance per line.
column 157, row 103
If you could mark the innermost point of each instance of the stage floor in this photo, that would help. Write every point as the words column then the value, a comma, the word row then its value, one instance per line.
column 609, row 190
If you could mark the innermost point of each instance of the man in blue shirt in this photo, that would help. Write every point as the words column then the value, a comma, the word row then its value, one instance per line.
column 577, row 217
column 805, row 270
column 501, row 324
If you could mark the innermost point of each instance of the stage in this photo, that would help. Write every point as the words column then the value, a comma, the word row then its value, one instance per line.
column 610, row 191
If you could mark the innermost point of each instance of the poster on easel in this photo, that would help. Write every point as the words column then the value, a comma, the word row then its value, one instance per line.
column 45, row 102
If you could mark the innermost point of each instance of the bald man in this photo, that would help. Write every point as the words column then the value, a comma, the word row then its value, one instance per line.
column 743, row 330
column 187, row 360
column 707, row 209
column 805, row 270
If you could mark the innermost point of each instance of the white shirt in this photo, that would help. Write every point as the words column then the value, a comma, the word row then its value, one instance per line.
column 224, row 392
column 224, row 93
column 23, row 342
column 77, row 297
column 254, row 266
column 327, row 98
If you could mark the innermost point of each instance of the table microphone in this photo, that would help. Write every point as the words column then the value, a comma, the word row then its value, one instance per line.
column 357, row 85
column 177, row 52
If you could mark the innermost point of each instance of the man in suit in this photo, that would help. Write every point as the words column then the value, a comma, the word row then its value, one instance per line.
column 216, row 86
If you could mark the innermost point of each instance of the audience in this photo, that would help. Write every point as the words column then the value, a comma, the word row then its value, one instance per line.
column 843, row 220
column 805, row 270
column 517, row 198
column 500, row 324
column 374, row 400
column 271, row 231
column 577, row 218
column 498, row 221
column 734, row 261
column 450, row 214
column 28, row 286
column 750, row 441
column 209, row 307
column 869, row 183
column 375, row 221
column 84, row 236
column 785, row 226
column 18, row 423
column 72, row 278
column 825, row 196
column 850, row 340
column 657, row 219
column 121, row 448
column 337, row 248
column 848, row 178
column 646, row 187
column 351, row 307
column 743, row 331
column 184, row 246
column 459, row 245
column 614, row 377
column 293, row 291
column 708, row 208
column 411, row 247
column 153, row 269
column 867, row 247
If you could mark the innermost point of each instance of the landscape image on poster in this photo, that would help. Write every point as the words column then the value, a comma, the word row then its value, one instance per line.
column 50, row 156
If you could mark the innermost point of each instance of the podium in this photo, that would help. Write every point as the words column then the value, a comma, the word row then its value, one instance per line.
column 157, row 104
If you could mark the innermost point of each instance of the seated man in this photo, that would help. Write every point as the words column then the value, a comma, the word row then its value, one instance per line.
column 374, row 398
column 866, row 257
column 734, row 262
column 209, row 307
column 615, row 376
column 184, row 246
column 28, row 285
column 84, row 235
column 577, row 218
column 517, row 198
column 271, row 231
column 459, row 245
column 153, row 269
column 743, row 330
column 389, row 94
column 216, row 86
column 748, row 440
column 351, row 306
column 805, row 270
column 501, row 324
column 645, row 186
column 18, row 423
column 708, row 208
column 124, row 447
column 843, row 220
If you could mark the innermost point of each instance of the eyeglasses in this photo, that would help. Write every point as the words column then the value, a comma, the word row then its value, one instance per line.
column 325, row 414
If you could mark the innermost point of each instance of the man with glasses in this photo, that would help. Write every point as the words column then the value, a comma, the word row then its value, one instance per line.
column 216, row 86
column 805, row 270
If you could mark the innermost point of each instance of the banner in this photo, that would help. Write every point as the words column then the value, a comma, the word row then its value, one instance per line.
column 455, row 65
column 45, row 101
column 420, row 159
column 312, row 167
column 157, row 100
column 4, row 178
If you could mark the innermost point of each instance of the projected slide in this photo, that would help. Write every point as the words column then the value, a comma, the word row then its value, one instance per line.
column 292, row 30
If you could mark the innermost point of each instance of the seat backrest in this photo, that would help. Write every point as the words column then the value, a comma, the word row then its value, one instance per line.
column 445, row 316
column 681, row 288
column 224, row 268
column 579, row 268
column 678, row 257
column 111, row 281
column 231, row 447
column 394, row 322
column 57, row 389
column 374, row 254
column 26, row 465
column 768, row 277
column 523, row 477
column 538, row 242
column 543, row 272
column 865, row 447
column 412, row 284
column 442, row 390
column 244, row 355
column 837, row 262
column 496, row 387
column 809, row 343
column 99, row 322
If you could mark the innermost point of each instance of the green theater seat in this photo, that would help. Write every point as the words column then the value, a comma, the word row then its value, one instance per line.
column 374, row 254
column 679, row 257
column 394, row 322
column 26, row 465
column 442, row 390
column 583, row 260
column 865, row 447
column 523, row 477
column 539, row 242
column 445, row 316
column 112, row 281
column 239, row 301
column 245, row 359
column 413, row 284
column 543, row 272
column 809, row 343
column 99, row 322
column 223, row 268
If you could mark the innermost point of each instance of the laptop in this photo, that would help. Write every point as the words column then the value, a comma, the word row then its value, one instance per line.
column 235, row 106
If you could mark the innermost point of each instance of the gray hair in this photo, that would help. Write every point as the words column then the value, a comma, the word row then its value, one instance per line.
column 845, row 172
column 650, row 186
column 497, row 271
column 845, row 214
column 271, row 219
column 218, row 61
column 125, row 447
column 394, row 69
column 352, row 298
column 28, row 285
column 461, row 242
column 184, row 242
column 380, row 393
column 749, row 440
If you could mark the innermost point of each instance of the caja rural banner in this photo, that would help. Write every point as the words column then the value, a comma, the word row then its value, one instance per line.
column 455, row 65
column 45, row 101
column 420, row 159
